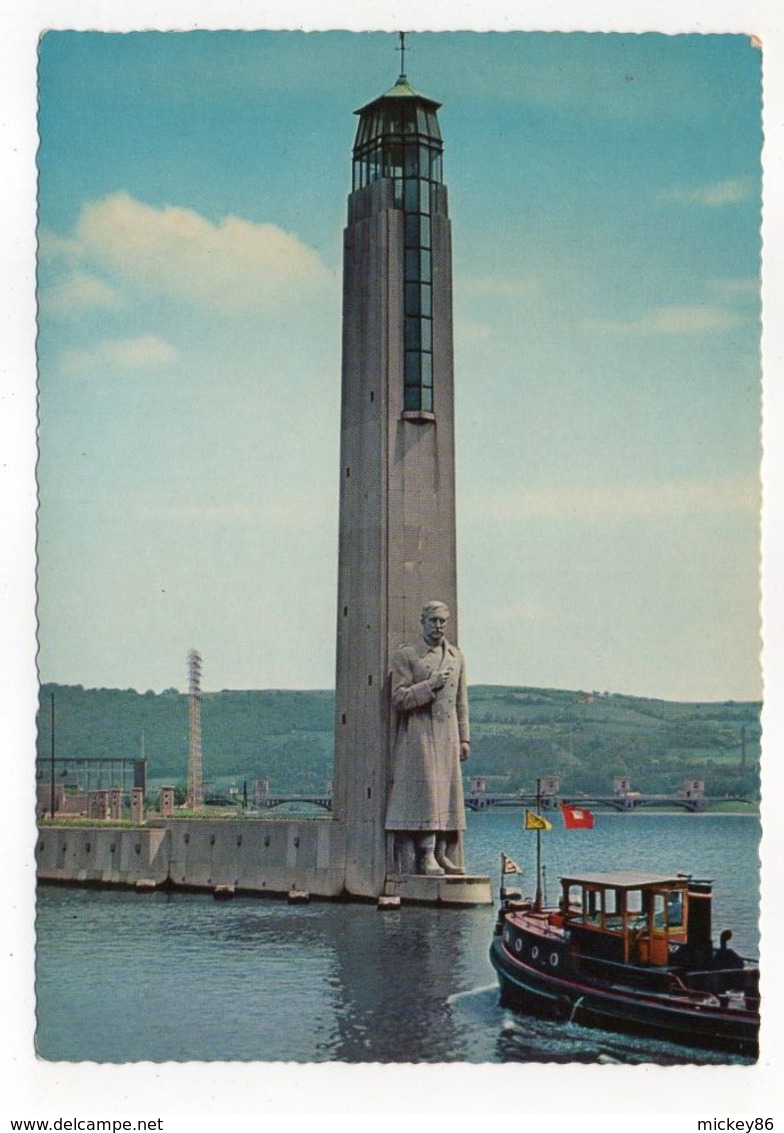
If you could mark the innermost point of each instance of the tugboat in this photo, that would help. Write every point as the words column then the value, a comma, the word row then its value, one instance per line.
column 628, row 951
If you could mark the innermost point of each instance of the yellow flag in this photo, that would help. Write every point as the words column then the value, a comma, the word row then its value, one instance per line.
column 536, row 822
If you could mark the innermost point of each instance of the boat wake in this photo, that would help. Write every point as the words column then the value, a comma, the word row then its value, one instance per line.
column 483, row 990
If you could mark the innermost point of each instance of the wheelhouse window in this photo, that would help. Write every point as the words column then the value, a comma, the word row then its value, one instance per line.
column 675, row 908
column 636, row 911
column 659, row 910
column 613, row 919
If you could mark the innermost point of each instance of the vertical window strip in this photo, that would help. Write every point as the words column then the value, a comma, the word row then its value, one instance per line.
column 403, row 143
column 418, row 306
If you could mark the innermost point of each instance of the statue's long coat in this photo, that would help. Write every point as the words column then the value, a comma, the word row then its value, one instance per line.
column 427, row 788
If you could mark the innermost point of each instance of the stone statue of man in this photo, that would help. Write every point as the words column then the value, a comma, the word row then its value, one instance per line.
column 431, row 739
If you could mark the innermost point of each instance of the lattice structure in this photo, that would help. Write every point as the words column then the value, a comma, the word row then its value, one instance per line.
column 195, row 799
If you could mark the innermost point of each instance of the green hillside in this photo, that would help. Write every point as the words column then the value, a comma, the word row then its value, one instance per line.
column 517, row 734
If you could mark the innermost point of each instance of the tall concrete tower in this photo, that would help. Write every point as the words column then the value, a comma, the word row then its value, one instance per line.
column 397, row 477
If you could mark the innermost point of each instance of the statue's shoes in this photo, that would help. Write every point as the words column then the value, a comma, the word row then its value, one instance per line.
column 448, row 866
column 429, row 866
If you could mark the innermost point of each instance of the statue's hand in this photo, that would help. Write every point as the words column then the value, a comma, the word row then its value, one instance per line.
column 465, row 751
column 438, row 679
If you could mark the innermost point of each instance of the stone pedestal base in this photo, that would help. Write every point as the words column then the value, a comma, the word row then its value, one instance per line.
column 412, row 888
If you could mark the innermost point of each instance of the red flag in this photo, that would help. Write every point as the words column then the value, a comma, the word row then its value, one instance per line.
column 576, row 817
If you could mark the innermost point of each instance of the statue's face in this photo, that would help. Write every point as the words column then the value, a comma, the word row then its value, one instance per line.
column 434, row 624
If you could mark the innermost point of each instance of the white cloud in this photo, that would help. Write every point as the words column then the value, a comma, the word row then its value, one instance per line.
column 146, row 352
column 619, row 502
column 719, row 194
column 234, row 266
column 694, row 320
column 53, row 247
column 76, row 294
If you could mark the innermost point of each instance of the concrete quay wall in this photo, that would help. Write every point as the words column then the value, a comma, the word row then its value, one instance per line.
column 102, row 855
column 258, row 856
column 254, row 856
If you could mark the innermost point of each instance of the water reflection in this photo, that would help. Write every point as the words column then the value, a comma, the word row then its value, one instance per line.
column 396, row 971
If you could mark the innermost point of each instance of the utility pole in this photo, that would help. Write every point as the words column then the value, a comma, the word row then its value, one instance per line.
column 51, row 718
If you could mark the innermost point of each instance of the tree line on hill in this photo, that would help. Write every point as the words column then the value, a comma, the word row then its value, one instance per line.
column 518, row 734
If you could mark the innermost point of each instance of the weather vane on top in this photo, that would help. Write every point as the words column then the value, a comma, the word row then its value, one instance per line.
column 402, row 50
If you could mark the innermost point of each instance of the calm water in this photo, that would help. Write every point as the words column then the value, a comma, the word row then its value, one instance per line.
column 129, row 977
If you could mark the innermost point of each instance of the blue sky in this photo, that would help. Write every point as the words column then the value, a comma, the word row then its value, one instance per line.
column 605, row 202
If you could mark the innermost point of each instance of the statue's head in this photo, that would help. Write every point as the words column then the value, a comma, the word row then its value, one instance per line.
column 435, row 615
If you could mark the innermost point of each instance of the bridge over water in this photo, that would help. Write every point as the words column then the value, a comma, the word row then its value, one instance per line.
column 269, row 802
column 624, row 802
column 484, row 800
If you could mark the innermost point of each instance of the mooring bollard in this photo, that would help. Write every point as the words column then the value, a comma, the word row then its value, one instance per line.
column 384, row 903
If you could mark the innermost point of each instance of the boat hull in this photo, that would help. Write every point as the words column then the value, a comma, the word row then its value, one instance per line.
column 557, row 992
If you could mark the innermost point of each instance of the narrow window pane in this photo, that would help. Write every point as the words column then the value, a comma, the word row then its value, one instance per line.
column 426, row 300
column 413, row 334
column 412, row 299
column 412, row 231
column 435, row 166
column 395, row 159
column 424, row 231
column 659, row 914
column 425, row 267
column 421, row 119
column 409, row 120
column 391, row 121
column 412, row 195
column 634, row 901
column 412, row 370
column 426, row 400
column 412, row 263
column 398, row 193
column 675, row 908
column 426, row 334
column 427, row 369
column 424, row 196
column 410, row 162
column 413, row 397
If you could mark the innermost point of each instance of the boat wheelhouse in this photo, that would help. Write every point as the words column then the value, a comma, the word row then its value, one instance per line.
column 631, row 917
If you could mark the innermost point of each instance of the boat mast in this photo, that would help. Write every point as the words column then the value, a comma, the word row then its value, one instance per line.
column 52, row 794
